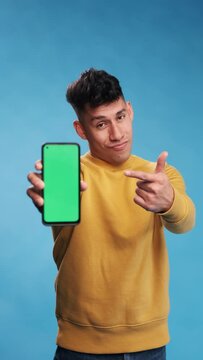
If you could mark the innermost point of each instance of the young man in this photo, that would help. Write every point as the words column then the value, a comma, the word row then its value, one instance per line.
column 112, row 284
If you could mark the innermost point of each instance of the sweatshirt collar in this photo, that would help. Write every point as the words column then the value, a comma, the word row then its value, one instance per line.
column 99, row 162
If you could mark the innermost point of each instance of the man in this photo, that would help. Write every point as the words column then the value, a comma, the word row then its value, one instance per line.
column 112, row 284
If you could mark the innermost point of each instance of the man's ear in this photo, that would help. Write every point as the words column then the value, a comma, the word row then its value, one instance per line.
column 130, row 109
column 79, row 129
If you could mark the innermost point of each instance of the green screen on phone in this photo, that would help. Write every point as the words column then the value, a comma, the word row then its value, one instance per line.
column 61, row 175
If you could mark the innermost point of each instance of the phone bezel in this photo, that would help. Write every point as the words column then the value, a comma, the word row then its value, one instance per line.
column 58, row 223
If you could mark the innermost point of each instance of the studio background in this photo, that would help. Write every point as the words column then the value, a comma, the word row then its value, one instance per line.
column 155, row 48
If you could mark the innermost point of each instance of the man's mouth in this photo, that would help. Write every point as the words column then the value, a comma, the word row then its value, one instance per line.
column 118, row 147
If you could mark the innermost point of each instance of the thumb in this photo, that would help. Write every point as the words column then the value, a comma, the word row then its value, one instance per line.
column 83, row 185
column 160, row 165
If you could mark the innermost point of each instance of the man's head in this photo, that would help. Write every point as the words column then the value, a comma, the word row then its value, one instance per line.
column 104, row 117
column 93, row 88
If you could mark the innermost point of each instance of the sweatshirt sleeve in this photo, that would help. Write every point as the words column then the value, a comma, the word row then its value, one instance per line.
column 180, row 218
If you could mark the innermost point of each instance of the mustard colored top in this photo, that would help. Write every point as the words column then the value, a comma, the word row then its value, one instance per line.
column 113, row 272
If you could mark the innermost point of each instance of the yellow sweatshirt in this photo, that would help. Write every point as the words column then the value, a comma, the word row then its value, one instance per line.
column 113, row 273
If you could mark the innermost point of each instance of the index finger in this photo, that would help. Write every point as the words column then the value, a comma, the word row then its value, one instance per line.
column 139, row 175
column 161, row 161
column 35, row 180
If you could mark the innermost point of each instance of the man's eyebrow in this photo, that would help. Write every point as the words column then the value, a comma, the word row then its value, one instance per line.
column 121, row 111
column 99, row 117
column 102, row 117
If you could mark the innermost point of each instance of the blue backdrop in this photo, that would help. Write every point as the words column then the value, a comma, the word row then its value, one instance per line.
column 155, row 48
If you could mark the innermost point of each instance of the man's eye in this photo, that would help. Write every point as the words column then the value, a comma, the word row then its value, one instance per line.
column 121, row 117
column 100, row 125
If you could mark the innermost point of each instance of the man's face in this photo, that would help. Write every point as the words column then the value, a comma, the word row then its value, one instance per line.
column 108, row 130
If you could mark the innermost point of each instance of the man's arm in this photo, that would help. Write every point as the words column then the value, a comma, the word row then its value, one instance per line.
column 180, row 217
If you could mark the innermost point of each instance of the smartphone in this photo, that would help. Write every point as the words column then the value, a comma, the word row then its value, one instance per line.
column 61, row 175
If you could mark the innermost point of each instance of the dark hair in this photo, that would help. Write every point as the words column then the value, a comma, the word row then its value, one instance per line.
column 95, row 88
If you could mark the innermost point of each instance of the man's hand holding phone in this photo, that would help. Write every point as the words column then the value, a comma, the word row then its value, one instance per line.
column 37, row 185
column 35, row 191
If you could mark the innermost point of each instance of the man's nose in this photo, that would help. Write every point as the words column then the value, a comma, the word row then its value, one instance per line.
column 115, row 132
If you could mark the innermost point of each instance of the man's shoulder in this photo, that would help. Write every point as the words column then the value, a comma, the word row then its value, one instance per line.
column 142, row 164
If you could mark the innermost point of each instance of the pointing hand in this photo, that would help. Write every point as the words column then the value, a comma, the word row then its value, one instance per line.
column 154, row 191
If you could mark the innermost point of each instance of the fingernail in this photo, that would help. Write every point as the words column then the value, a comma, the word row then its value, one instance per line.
column 127, row 172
